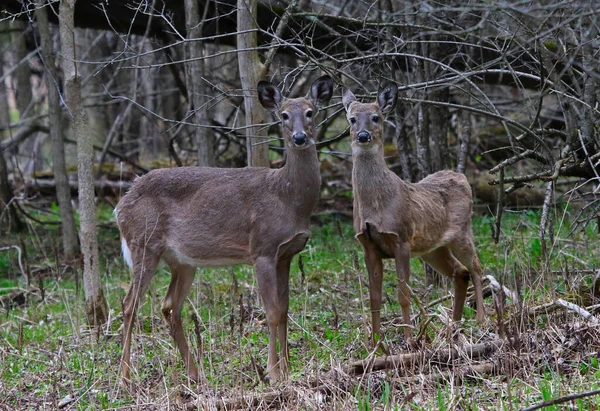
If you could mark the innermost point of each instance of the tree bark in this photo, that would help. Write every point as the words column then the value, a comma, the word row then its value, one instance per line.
column 96, row 310
column 250, row 72
column 8, row 212
column 23, row 94
column 63, row 195
column 196, row 85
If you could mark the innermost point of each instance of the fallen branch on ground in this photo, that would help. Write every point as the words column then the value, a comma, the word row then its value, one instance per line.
column 410, row 360
column 562, row 304
column 561, row 400
column 496, row 286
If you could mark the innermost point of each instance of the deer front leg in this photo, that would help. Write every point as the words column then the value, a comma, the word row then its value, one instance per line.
column 283, row 276
column 375, row 269
column 274, row 300
column 402, row 259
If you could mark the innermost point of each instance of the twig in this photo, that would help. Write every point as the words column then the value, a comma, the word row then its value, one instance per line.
column 496, row 286
column 16, row 247
column 561, row 400
column 559, row 304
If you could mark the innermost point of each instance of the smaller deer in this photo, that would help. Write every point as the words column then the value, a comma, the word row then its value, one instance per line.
column 395, row 219
column 217, row 217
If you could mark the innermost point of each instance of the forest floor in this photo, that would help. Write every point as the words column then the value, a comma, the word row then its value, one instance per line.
column 528, row 350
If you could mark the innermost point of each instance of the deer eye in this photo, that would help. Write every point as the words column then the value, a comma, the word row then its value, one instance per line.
column 285, row 116
column 353, row 120
column 375, row 118
column 309, row 114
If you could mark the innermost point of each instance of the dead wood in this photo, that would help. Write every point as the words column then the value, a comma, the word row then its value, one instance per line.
column 442, row 356
column 562, row 400
column 457, row 375
column 105, row 187
column 561, row 304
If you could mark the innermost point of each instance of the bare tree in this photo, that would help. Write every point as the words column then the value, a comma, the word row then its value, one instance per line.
column 63, row 192
column 96, row 309
column 195, row 83
column 251, row 69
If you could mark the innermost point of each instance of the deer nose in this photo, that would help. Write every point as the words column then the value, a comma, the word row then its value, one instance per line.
column 363, row 137
column 299, row 139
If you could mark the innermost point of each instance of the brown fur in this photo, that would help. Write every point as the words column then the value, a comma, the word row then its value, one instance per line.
column 209, row 217
column 400, row 220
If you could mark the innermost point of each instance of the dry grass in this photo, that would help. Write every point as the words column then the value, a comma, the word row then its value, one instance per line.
column 47, row 354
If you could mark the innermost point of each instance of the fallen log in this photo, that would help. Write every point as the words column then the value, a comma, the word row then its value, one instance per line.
column 409, row 360
column 103, row 186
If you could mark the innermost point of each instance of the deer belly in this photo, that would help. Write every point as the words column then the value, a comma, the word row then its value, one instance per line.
column 207, row 261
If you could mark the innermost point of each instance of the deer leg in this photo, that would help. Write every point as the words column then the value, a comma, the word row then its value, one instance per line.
column 144, row 267
column 445, row 263
column 375, row 269
column 467, row 254
column 182, row 277
column 402, row 259
column 272, row 296
column 283, row 276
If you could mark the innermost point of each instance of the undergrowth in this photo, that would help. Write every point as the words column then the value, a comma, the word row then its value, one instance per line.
column 48, row 353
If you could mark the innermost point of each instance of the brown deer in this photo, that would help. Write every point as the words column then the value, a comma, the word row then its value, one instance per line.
column 215, row 217
column 395, row 219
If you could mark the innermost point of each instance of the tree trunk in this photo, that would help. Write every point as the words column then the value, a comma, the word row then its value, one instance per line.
column 8, row 212
column 96, row 310
column 438, row 131
column 24, row 98
column 250, row 71
column 196, row 85
column 63, row 194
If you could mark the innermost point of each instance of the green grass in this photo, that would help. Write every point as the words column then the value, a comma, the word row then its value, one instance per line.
column 47, row 351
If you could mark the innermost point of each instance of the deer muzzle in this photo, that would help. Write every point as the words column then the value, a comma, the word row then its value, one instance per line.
column 363, row 137
column 300, row 139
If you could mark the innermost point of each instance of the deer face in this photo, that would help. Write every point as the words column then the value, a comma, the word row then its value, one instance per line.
column 296, row 114
column 366, row 119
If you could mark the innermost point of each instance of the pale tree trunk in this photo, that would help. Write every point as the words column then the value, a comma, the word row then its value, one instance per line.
column 63, row 193
column 463, row 132
column 438, row 131
column 96, row 310
column 8, row 213
column 250, row 72
column 24, row 97
column 196, row 86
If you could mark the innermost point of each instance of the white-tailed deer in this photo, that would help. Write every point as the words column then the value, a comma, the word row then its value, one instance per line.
column 395, row 219
column 215, row 217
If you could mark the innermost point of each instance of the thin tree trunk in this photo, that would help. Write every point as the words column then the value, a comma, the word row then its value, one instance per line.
column 22, row 80
column 463, row 131
column 250, row 71
column 8, row 214
column 96, row 310
column 438, row 131
column 196, row 86
column 63, row 194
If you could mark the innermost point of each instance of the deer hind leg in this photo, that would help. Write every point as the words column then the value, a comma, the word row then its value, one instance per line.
column 375, row 269
column 275, row 301
column 445, row 263
column 144, row 268
column 467, row 254
column 182, row 277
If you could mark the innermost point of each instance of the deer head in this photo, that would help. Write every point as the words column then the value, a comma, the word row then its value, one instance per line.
column 296, row 114
column 366, row 119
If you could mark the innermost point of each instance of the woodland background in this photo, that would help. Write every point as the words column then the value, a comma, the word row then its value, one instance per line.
column 94, row 93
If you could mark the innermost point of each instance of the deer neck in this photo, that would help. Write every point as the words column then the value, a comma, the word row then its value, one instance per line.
column 373, row 184
column 301, row 179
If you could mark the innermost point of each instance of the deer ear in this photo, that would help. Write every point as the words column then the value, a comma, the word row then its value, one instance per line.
column 269, row 95
column 321, row 90
column 348, row 98
column 387, row 98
